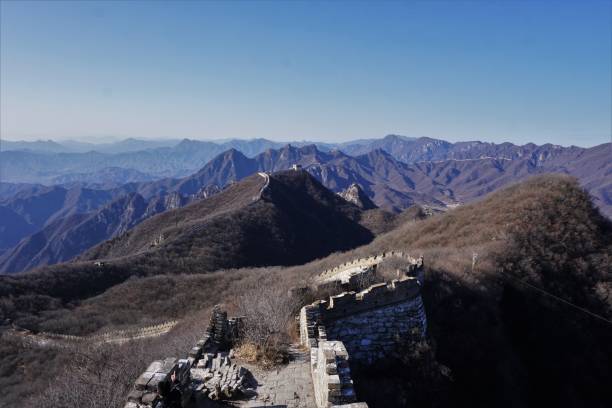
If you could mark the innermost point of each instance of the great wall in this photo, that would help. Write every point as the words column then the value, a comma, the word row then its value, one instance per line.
column 349, row 328
column 44, row 339
column 359, row 266
column 355, row 326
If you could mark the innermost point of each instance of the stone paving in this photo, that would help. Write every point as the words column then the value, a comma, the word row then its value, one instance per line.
column 289, row 386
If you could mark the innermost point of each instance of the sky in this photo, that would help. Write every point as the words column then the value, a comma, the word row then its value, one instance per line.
column 517, row 71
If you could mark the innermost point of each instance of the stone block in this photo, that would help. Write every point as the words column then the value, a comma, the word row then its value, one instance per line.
column 167, row 366
column 331, row 369
column 143, row 380
column 149, row 398
column 333, row 382
column 155, row 379
column 195, row 352
column 154, row 366
column 135, row 395
column 342, row 300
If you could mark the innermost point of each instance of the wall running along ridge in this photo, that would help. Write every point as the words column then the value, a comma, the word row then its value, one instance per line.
column 367, row 325
column 345, row 271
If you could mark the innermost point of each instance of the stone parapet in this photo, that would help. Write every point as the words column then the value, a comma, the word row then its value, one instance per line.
column 331, row 375
column 361, row 267
column 375, row 334
column 374, row 297
column 368, row 324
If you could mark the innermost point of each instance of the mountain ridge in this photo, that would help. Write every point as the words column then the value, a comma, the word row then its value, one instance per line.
column 391, row 184
column 179, row 158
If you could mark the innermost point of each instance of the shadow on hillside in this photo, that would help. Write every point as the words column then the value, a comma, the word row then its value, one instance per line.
column 504, row 346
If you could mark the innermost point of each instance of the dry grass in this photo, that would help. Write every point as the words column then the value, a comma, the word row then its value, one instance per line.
column 468, row 302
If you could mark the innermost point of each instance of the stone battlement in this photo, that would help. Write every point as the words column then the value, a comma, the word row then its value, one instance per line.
column 317, row 315
column 344, row 272
column 331, row 376
column 374, row 297
column 367, row 325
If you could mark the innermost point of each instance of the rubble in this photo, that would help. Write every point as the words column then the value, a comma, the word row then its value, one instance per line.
column 208, row 372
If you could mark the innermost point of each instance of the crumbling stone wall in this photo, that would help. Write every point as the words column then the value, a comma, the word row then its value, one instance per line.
column 207, row 371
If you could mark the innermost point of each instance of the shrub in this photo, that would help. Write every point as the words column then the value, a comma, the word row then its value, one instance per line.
column 267, row 311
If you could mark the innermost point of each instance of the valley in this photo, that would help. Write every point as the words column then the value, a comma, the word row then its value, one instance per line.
column 47, row 223
column 465, row 251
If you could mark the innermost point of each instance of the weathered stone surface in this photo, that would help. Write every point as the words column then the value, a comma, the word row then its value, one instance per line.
column 135, row 395
column 374, row 334
column 149, row 397
column 367, row 325
column 213, row 373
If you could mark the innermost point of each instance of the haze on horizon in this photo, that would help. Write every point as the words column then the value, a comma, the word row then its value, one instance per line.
column 504, row 71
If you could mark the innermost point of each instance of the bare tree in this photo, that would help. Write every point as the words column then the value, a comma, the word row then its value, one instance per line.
column 268, row 312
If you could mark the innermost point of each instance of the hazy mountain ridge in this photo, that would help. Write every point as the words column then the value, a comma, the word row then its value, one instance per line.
column 388, row 182
column 179, row 160
column 103, row 179
column 39, row 206
column 49, row 162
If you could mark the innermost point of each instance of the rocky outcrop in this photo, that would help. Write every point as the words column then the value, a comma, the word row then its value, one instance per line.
column 354, row 194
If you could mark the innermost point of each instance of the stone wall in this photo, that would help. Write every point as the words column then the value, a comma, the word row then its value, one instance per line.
column 370, row 322
column 374, row 334
column 331, row 376
column 329, row 366
column 348, row 273
column 115, row 336
column 367, row 325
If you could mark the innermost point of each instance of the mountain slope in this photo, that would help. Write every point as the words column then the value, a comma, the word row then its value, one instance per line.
column 39, row 206
column 103, row 179
column 287, row 219
column 69, row 236
column 387, row 181
column 495, row 272
column 13, row 227
column 292, row 220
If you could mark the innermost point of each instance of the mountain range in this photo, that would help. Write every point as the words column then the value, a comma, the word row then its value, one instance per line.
column 43, row 225
column 50, row 163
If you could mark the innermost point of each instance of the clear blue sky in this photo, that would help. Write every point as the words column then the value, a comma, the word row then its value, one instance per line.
column 519, row 71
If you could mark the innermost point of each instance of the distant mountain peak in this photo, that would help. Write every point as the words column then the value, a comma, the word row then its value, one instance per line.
column 393, row 136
